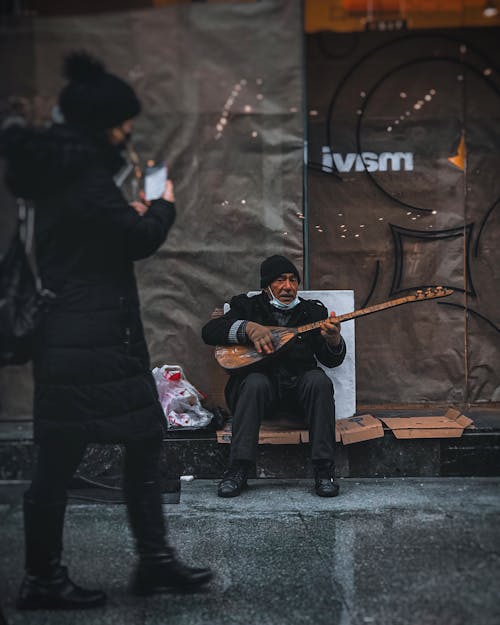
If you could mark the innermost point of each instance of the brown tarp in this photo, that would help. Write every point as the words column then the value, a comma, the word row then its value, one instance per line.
column 405, row 216
column 238, row 175
column 421, row 218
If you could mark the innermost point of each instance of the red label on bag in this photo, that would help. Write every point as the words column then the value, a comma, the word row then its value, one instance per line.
column 175, row 377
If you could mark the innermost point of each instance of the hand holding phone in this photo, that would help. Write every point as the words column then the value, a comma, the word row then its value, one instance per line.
column 155, row 180
column 168, row 193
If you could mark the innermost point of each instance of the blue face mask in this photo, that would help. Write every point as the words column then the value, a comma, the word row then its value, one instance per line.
column 274, row 301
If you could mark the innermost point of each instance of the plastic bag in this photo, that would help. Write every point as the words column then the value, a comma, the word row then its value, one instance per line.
column 180, row 400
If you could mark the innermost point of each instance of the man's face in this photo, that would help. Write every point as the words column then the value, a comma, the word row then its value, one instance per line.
column 285, row 287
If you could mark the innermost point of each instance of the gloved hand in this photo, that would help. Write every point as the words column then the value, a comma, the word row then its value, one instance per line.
column 260, row 336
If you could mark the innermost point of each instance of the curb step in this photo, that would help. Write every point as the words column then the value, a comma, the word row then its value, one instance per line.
column 475, row 454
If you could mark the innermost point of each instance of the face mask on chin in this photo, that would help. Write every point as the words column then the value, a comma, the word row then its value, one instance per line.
column 274, row 301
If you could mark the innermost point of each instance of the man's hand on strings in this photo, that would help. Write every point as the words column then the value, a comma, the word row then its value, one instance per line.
column 330, row 331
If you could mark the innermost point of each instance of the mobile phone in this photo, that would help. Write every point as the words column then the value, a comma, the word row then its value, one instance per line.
column 154, row 180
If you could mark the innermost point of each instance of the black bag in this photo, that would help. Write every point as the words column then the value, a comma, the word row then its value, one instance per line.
column 23, row 301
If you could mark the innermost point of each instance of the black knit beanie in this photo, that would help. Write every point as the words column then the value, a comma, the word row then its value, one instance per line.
column 93, row 98
column 273, row 267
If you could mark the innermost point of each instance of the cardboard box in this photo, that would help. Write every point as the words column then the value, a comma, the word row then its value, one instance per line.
column 450, row 425
column 357, row 429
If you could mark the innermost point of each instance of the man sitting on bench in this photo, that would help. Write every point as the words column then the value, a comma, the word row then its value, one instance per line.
column 289, row 379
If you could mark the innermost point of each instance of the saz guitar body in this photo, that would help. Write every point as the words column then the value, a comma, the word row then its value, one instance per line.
column 235, row 357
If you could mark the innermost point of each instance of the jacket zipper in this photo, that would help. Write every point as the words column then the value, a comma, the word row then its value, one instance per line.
column 126, row 331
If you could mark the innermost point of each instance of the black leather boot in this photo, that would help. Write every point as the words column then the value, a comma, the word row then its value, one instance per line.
column 324, row 479
column 234, row 479
column 158, row 569
column 164, row 572
column 46, row 584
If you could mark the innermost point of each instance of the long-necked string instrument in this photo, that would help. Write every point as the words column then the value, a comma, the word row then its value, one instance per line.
column 236, row 357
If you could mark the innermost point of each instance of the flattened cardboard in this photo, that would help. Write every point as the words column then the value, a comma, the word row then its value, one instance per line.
column 450, row 425
column 277, row 435
column 352, row 430
column 224, row 436
column 454, row 415
column 361, row 428
column 270, row 435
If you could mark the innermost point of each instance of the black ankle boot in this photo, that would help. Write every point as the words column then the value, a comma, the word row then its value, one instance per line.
column 46, row 584
column 56, row 593
column 234, row 479
column 324, row 479
column 163, row 572
column 158, row 569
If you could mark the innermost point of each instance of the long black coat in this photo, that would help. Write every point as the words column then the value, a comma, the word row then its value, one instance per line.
column 91, row 367
column 295, row 359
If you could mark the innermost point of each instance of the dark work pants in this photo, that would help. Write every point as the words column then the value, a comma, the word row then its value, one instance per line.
column 57, row 463
column 256, row 397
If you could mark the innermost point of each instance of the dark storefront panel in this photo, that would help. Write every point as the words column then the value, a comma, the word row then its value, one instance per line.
column 404, row 135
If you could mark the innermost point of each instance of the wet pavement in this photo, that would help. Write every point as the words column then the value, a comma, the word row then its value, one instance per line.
column 385, row 552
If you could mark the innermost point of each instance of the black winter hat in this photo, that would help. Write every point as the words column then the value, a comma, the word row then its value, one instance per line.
column 93, row 98
column 273, row 267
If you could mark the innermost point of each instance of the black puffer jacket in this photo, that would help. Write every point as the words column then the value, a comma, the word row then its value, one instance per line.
column 295, row 359
column 91, row 368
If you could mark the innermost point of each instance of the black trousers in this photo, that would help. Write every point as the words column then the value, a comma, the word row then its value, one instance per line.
column 257, row 396
column 57, row 463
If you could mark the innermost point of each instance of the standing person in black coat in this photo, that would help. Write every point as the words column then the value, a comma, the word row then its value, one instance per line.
column 91, row 364
column 289, row 379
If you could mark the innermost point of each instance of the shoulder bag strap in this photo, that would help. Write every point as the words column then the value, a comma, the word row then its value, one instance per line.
column 26, row 233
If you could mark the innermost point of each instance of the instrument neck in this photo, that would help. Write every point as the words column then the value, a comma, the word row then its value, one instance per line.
column 356, row 313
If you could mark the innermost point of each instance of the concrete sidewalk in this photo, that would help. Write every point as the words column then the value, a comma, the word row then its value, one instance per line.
column 386, row 552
